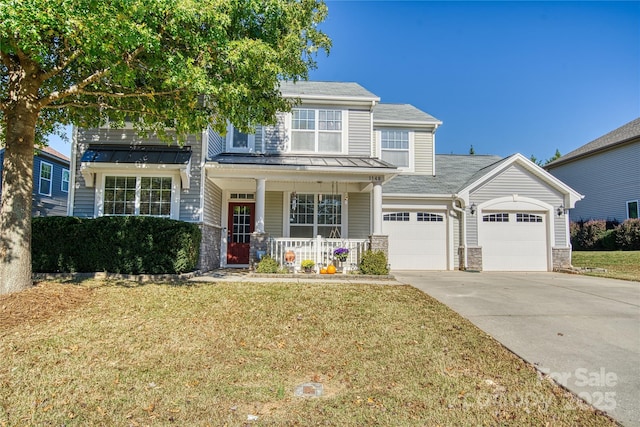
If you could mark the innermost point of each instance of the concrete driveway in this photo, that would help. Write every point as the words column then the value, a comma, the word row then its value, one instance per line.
column 583, row 331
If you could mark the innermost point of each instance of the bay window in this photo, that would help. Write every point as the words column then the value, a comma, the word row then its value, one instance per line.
column 315, row 214
column 316, row 130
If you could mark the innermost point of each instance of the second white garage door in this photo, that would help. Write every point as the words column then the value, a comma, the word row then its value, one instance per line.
column 417, row 240
column 514, row 241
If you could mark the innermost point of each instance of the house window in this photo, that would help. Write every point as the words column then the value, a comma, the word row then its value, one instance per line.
column 429, row 217
column 315, row 214
column 632, row 209
column 395, row 147
column 396, row 216
column 316, row 130
column 131, row 195
column 239, row 141
column 497, row 217
column 44, row 185
column 524, row 217
column 65, row 181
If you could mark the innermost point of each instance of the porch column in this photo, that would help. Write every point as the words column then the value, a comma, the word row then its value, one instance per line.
column 260, row 194
column 377, row 208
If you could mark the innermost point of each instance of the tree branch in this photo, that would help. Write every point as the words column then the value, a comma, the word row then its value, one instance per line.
column 55, row 70
column 129, row 95
column 76, row 88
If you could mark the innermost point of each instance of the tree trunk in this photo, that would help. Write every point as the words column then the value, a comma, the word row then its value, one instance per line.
column 15, row 212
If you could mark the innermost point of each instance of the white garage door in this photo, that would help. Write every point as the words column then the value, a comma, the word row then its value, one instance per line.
column 513, row 241
column 417, row 240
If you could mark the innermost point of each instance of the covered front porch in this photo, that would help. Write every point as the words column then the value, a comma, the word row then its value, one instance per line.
column 294, row 209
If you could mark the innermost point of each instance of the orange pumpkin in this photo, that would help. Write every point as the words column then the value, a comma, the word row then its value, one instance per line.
column 331, row 269
column 323, row 271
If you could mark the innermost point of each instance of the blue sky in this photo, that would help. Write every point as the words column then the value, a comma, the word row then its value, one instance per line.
column 505, row 76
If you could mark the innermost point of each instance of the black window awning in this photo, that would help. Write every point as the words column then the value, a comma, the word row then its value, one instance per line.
column 137, row 154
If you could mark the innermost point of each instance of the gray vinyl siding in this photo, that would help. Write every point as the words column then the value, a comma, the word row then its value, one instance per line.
column 212, row 213
column 84, row 203
column 360, row 138
column 275, row 136
column 215, row 144
column 607, row 180
column 273, row 213
column 359, row 220
column 423, row 151
column 516, row 180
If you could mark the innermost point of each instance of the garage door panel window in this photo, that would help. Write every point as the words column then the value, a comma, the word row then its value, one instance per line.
column 496, row 217
column 429, row 217
column 396, row 216
column 525, row 217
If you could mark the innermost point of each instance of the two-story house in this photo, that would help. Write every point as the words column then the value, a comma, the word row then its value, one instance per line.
column 340, row 170
column 51, row 178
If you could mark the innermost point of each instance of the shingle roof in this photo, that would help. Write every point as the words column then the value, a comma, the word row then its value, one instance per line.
column 401, row 113
column 339, row 89
column 620, row 135
column 53, row 153
column 453, row 172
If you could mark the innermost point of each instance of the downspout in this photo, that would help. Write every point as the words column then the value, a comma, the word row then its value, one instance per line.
column 463, row 220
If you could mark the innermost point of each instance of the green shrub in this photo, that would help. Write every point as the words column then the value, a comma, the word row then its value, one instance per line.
column 268, row 265
column 128, row 245
column 374, row 263
column 627, row 236
column 588, row 236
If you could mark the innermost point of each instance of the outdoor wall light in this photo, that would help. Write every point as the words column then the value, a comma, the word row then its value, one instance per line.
column 560, row 210
column 473, row 208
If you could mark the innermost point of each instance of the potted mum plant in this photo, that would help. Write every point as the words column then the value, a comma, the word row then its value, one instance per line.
column 307, row 265
column 341, row 254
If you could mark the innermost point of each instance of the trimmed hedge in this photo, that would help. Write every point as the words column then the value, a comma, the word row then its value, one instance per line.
column 601, row 235
column 125, row 245
column 374, row 263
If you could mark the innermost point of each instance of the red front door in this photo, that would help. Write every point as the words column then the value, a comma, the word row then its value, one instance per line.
column 240, row 227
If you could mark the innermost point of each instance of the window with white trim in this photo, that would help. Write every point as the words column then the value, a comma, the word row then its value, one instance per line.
column 396, row 216
column 395, row 147
column 632, row 209
column 315, row 214
column 316, row 130
column 429, row 217
column 525, row 217
column 239, row 141
column 44, row 182
column 497, row 217
column 136, row 195
column 64, row 186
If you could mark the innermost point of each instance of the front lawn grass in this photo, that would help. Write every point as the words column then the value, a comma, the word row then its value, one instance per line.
column 619, row 264
column 214, row 354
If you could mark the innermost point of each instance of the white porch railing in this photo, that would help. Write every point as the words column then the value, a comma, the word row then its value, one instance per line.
column 318, row 249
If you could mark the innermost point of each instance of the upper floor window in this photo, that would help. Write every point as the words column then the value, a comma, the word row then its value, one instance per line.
column 632, row 209
column 44, row 184
column 64, row 186
column 395, row 147
column 239, row 141
column 316, row 130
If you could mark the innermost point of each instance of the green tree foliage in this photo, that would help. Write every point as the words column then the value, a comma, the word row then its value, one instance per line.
column 535, row 160
column 190, row 63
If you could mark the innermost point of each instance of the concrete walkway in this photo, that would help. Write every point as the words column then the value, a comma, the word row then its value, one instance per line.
column 583, row 331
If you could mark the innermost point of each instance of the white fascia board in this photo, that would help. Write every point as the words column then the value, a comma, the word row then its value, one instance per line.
column 88, row 170
column 408, row 124
column 416, row 196
column 332, row 99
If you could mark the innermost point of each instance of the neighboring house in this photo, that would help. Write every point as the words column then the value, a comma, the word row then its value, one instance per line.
column 340, row 170
column 606, row 171
column 51, row 180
